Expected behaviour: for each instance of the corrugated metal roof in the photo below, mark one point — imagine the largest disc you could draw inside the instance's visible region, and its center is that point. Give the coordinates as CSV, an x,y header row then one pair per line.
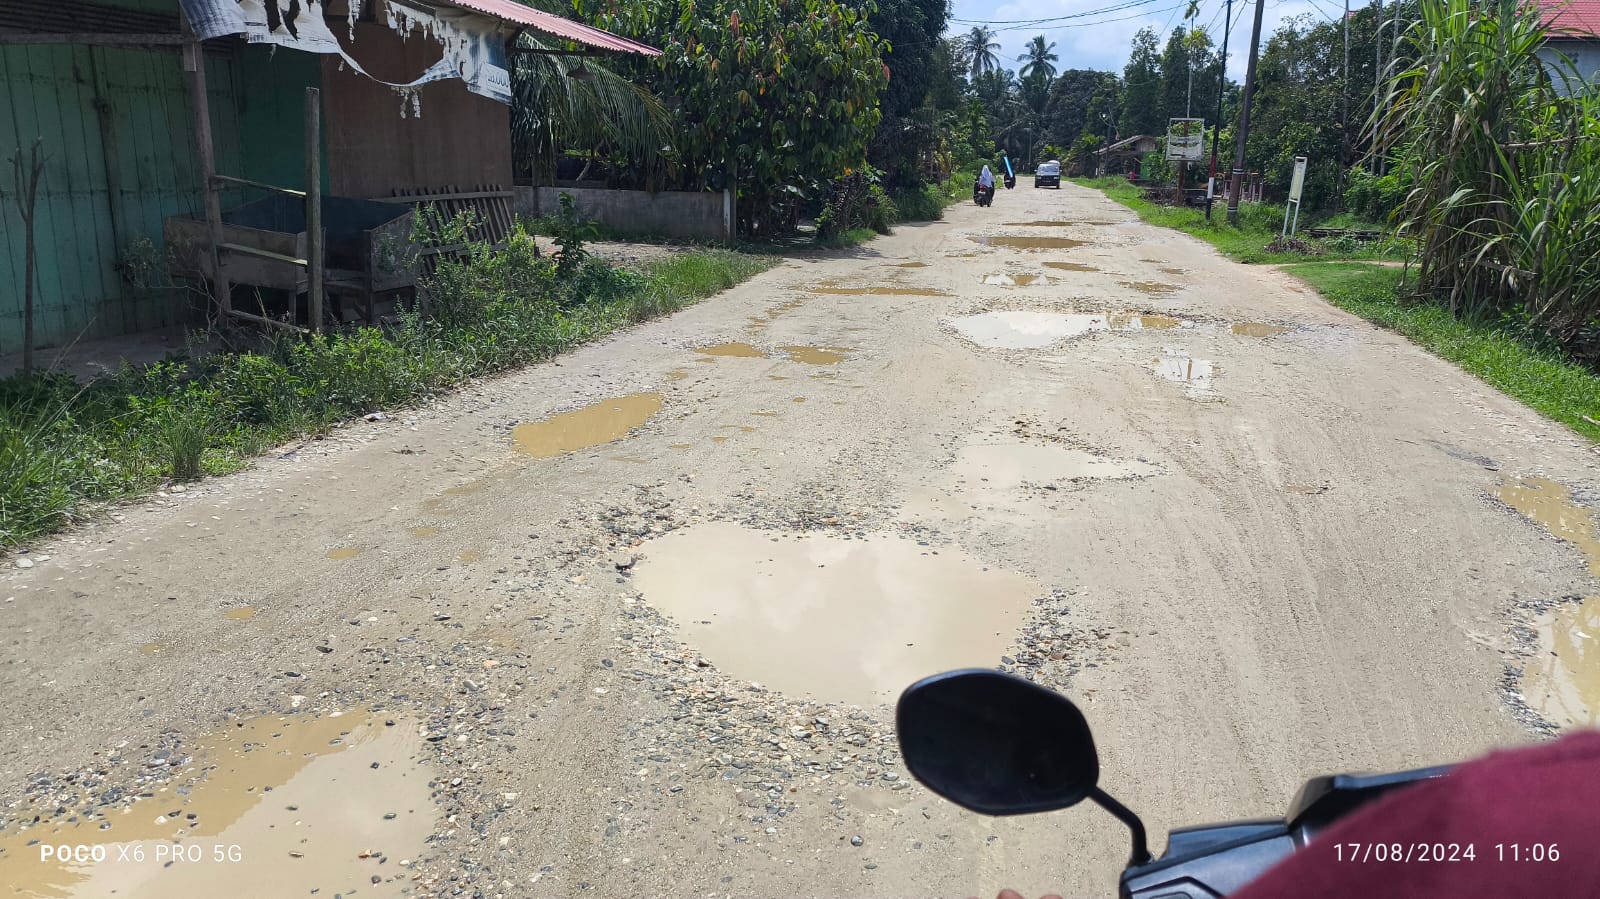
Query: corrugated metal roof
x,y
516,13
1574,18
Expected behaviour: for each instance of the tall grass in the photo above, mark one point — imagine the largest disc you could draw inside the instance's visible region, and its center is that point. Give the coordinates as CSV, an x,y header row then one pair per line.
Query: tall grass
x,y
65,447
1505,201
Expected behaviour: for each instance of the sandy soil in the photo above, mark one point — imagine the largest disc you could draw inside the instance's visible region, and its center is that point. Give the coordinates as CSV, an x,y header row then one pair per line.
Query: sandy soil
x,y
1252,557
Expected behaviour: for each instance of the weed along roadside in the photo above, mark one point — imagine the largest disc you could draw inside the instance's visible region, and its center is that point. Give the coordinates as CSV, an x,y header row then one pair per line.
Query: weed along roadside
x,y
66,447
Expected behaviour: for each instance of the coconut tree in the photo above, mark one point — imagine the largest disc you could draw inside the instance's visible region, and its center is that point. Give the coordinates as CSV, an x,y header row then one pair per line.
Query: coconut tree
x,y
981,50
1039,59
569,102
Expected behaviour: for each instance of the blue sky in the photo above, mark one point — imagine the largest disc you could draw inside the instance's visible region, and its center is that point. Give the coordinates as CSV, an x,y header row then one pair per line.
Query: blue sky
x,y
1097,42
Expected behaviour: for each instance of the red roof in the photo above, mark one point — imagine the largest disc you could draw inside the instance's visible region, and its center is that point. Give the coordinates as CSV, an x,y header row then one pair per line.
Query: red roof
x,y
517,14
1572,17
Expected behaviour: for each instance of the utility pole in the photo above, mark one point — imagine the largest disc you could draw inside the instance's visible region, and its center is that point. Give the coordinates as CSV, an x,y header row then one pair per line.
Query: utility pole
x,y
1222,88
1244,117
1344,101
1394,49
1377,70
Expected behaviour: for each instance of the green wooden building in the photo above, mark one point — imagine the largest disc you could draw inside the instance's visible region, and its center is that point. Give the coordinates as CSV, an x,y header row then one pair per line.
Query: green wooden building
x,y
102,85
118,134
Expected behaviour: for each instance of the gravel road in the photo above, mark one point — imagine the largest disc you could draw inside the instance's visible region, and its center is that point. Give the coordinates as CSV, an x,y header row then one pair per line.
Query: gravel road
x,y
1256,538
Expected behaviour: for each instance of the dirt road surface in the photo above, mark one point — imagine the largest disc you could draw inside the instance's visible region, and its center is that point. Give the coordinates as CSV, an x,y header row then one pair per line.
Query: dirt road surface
x,y
1256,539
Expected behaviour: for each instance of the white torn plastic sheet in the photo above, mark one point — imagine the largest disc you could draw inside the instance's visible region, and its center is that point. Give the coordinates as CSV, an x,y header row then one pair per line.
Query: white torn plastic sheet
x,y
473,45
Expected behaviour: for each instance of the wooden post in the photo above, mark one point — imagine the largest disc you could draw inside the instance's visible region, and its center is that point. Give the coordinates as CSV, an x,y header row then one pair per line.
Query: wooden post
x,y
194,63
314,258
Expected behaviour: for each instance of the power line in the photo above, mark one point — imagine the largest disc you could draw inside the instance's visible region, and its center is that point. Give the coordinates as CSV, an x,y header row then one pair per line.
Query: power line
x,y
1079,15
1138,15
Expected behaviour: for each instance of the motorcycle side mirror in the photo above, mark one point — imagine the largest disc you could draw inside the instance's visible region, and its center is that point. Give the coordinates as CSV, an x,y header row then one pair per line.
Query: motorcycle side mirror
x,y
1001,745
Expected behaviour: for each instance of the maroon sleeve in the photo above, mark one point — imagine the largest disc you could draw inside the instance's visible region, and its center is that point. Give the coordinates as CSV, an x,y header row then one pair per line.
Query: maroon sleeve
x,y
1530,818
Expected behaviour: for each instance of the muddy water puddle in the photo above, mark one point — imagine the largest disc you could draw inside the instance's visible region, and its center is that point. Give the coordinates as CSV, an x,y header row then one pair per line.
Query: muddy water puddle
x,y
242,613
1144,322
1014,330
1551,505
344,553
1149,287
1072,266
1562,679
1021,242
1005,466
1258,329
735,350
816,355
152,649
1001,279
842,620
1186,370
278,807
911,265
425,532
593,425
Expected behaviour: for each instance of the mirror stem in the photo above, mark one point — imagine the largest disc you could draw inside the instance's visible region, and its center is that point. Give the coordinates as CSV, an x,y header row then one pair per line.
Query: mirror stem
x,y
1141,849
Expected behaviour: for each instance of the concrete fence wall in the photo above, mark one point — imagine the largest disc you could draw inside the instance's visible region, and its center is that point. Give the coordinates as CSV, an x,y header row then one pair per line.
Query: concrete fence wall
x,y
703,216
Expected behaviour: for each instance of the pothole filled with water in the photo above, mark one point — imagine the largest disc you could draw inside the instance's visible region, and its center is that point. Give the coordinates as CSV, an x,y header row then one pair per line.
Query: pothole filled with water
x,y
593,425
736,350
1149,287
1019,242
816,355
344,553
1258,329
324,806
1561,680
1001,279
1025,330
1145,322
1072,266
1186,370
1551,505
853,621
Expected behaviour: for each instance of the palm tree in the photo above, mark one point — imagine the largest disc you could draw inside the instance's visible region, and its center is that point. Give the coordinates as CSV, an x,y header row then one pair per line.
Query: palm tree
x,y
1038,59
980,49
566,102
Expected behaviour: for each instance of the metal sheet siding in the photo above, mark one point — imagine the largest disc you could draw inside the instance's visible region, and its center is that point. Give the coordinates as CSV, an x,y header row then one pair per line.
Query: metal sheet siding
x,y
117,132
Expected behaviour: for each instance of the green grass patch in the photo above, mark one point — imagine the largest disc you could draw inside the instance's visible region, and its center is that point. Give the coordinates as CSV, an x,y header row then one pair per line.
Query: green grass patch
x,y
1505,354
1259,225
1350,221
66,448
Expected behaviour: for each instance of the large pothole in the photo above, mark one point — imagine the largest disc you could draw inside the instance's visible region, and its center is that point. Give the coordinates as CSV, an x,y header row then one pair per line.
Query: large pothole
x,y
1560,678
845,620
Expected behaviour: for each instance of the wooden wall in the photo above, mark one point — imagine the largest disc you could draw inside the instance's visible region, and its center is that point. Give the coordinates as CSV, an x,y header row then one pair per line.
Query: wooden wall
x,y
461,139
